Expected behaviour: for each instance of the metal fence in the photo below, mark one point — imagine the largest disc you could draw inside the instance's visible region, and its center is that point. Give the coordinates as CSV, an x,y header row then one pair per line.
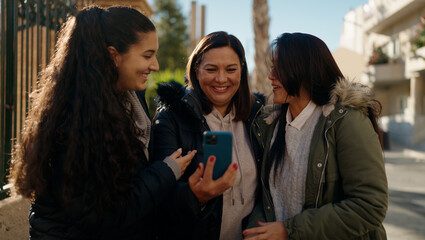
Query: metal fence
x,y
28,33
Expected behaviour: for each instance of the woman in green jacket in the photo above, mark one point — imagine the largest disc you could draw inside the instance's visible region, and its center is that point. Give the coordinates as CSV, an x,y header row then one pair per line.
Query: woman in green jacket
x,y
324,175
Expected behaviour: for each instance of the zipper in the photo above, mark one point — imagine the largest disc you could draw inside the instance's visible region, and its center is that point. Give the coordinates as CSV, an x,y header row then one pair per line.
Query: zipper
x,y
267,196
326,158
251,127
203,122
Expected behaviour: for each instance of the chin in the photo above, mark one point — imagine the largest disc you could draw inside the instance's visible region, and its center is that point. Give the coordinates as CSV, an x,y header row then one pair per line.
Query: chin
x,y
278,101
141,88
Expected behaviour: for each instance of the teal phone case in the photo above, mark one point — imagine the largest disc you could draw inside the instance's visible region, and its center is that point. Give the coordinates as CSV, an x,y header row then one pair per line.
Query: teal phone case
x,y
218,144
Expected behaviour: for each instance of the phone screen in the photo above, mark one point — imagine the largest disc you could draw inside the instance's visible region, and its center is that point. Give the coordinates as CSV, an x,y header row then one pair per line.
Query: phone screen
x,y
218,144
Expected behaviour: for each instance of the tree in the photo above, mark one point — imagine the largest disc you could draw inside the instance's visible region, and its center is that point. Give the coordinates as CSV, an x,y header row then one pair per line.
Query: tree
x,y
172,34
261,22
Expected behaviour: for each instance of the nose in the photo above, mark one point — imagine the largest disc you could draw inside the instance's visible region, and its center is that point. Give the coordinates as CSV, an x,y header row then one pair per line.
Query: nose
x,y
154,66
221,76
271,76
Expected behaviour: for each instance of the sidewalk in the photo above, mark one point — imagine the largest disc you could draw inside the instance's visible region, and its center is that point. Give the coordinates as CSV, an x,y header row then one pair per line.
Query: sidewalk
x,y
406,183
410,152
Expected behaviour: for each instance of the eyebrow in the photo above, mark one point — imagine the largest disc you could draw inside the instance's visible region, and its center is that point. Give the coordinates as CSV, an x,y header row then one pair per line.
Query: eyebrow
x,y
213,65
149,51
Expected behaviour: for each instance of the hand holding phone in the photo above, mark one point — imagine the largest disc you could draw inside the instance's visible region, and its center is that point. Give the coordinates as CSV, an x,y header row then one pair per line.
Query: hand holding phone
x,y
218,144
219,174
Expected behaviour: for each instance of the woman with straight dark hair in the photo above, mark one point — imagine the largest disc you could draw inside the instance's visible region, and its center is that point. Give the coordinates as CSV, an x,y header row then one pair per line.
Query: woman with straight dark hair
x,y
323,170
83,158
217,98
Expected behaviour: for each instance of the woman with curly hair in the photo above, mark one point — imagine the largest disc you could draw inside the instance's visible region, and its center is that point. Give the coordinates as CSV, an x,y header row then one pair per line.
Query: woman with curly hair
x,y
83,158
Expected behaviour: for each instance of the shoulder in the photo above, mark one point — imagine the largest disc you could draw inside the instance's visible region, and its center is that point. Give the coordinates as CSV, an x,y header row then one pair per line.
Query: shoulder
x,y
258,101
354,116
176,105
170,99
348,124
259,98
271,112
351,95
170,94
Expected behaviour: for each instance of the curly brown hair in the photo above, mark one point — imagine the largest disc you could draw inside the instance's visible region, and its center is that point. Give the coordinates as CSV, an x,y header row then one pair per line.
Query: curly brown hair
x,y
79,136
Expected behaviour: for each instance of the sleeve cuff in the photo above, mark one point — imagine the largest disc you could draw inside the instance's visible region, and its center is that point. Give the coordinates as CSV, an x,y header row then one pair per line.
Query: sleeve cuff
x,y
174,167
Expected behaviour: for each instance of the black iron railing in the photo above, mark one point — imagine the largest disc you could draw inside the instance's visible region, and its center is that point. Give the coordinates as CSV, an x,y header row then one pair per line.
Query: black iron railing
x,y
28,32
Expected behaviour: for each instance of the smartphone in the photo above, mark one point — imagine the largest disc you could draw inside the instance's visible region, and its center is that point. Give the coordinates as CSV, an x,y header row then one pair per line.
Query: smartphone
x,y
218,144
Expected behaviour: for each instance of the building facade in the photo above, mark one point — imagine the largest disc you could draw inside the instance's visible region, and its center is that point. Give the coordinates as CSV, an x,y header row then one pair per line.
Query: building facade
x,y
390,37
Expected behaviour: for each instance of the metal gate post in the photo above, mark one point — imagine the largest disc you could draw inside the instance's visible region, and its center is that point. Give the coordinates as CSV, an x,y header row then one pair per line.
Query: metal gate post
x,y
10,98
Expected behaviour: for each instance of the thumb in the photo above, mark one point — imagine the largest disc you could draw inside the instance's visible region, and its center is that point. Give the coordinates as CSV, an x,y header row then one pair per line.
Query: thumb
x,y
190,155
176,154
196,176
261,223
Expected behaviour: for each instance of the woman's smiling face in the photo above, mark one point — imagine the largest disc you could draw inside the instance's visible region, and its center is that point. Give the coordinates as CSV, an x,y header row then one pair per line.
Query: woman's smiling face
x,y
280,95
137,63
219,76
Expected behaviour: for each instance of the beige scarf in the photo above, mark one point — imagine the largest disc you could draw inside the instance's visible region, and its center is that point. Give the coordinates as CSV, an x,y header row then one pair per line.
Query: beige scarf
x,y
142,121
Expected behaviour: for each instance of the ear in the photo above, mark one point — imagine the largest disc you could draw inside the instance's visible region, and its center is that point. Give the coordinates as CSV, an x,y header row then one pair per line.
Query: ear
x,y
115,55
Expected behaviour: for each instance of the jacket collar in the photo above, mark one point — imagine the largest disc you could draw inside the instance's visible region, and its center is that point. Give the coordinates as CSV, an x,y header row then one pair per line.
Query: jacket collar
x,y
258,101
193,103
175,95
345,94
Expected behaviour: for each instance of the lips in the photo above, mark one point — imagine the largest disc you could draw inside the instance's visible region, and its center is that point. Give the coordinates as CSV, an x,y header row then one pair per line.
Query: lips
x,y
145,76
220,89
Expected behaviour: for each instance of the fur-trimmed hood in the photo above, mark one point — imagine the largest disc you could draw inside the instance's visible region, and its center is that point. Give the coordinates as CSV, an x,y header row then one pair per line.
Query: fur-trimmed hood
x,y
170,93
174,96
349,94
353,95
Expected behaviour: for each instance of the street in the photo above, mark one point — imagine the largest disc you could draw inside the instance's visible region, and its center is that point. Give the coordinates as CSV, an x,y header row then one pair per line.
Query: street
x,y
406,182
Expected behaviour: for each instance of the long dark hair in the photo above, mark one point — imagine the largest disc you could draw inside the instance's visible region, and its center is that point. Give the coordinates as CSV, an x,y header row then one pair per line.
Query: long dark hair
x,y
242,98
302,60
79,138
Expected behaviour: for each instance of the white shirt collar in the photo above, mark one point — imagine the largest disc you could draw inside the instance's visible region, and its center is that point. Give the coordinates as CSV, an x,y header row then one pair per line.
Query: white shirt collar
x,y
300,120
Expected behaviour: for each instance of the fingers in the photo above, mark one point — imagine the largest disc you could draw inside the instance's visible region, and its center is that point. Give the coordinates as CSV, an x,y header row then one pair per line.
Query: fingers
x,y
196,176
270,230
188,157
252,237
262,223
229,176
190,154
204,187
208,174
252,233
176,154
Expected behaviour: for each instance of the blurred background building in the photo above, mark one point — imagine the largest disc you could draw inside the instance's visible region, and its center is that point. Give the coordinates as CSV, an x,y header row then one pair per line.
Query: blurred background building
x,y
382,45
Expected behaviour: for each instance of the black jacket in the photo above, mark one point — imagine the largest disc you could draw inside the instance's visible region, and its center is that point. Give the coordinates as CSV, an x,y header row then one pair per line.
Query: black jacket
x,y
180,123
49,220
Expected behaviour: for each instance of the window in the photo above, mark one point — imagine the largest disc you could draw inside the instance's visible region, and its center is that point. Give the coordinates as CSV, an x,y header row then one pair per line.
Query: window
x,y
402,104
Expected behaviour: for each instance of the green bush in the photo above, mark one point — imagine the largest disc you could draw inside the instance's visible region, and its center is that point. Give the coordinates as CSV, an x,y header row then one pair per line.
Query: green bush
x,y
159,77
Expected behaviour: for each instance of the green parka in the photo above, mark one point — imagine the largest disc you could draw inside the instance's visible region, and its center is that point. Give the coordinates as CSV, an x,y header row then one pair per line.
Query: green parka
x,y
346,192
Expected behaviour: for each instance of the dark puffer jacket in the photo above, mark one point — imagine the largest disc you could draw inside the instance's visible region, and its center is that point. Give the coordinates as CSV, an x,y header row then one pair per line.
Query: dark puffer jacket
x,y
49,220
180,123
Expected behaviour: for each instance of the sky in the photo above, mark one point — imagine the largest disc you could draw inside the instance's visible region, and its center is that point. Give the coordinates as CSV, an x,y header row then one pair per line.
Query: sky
x,y
322,18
